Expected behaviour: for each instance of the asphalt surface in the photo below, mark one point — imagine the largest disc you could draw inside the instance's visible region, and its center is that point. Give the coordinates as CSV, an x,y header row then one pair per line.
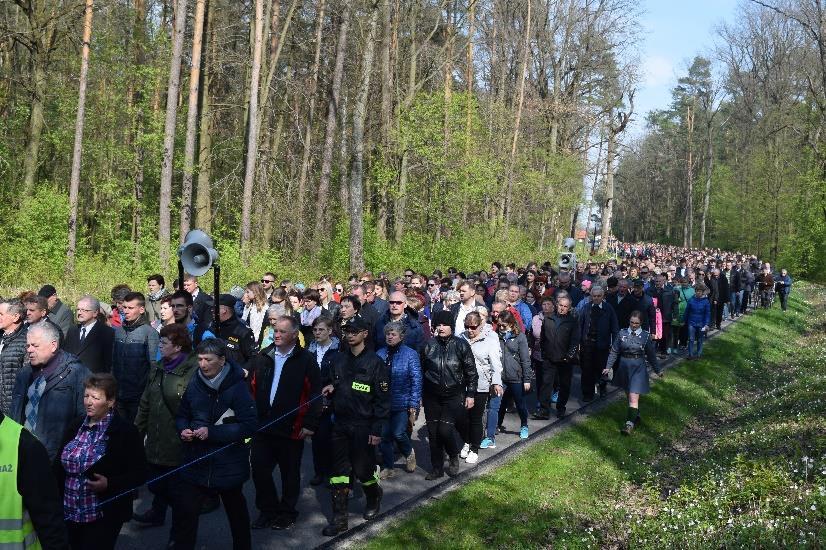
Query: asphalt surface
x,y
402,492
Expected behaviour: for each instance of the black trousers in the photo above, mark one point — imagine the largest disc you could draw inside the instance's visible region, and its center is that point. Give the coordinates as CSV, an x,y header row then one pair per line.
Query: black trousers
x,y
717,314
97,535
550,370
665,342
470,424
235,506
592,362
784,300
441,414
322,447
267,452
536,364
352,455
166,493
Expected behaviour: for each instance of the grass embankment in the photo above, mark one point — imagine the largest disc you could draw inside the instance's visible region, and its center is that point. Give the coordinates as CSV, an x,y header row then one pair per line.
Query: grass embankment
x,y
731,453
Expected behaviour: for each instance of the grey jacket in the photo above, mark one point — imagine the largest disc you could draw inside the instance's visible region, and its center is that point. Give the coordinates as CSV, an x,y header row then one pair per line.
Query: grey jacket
x,y
60,405
62,316
12,359
488,355
516,359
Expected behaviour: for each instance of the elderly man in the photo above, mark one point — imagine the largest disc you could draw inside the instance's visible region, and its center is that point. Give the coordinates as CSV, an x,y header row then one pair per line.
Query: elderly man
x,y
598,328
559,343
91,340
48,393
58,312
398,311
12,348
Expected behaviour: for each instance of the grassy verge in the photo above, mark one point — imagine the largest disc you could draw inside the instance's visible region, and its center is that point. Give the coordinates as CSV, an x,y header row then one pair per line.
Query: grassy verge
x,y
731,453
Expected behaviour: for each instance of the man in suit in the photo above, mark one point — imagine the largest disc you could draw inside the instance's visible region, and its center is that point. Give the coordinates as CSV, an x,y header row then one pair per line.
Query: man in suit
x,y
58,312
91,339
202,303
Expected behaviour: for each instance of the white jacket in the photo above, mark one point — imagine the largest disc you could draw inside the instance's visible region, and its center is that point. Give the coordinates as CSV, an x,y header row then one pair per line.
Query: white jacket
x,y
488,355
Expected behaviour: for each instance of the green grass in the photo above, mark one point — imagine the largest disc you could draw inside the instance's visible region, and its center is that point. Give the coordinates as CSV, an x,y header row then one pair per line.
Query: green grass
x,y
717,462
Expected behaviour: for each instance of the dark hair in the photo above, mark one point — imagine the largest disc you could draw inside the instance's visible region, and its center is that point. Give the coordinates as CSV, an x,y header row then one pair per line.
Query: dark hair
x,y
497,264
325,320
313,295
119,291
178,335
507,318
40,301
135,297
167,299
279,293
157,278
474,315
271,274
211,346
636,314
182,295
355,302
368,286
103,381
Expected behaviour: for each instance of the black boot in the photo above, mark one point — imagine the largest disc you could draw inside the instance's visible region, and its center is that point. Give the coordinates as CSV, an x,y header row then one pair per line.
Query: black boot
x,y
373,493
339,523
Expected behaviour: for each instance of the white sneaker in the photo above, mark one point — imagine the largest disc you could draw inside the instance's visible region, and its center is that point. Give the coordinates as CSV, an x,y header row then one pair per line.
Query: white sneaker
x,y
472,458
465,450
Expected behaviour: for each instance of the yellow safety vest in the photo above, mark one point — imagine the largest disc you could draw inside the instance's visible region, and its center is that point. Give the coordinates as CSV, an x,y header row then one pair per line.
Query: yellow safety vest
x,y
16,528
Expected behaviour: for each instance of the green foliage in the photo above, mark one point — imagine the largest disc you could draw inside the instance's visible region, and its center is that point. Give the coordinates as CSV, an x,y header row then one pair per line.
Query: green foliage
x,y
730,454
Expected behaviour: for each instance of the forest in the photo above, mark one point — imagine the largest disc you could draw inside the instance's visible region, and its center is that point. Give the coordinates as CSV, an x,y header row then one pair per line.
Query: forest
x,y
331,136
738,160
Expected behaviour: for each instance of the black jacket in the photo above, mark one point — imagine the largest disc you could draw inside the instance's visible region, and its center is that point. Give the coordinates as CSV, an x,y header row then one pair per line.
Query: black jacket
x,y
665,301
12,359
606,329
123,464
38,487
361,390
300,382
203,308
560,338
448,367
239,340
645,305
95,352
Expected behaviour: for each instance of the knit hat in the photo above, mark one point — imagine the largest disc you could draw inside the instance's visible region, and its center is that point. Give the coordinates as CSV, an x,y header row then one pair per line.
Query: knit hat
x,y
443,317
227,300
586,284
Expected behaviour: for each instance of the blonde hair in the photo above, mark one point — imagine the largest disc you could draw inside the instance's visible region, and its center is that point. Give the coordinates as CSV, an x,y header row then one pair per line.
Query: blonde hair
x,y
259,297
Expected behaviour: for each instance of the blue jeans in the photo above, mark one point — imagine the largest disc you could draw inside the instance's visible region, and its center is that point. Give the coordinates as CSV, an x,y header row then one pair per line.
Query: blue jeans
x,y
695,334
395,431
493,415
736,302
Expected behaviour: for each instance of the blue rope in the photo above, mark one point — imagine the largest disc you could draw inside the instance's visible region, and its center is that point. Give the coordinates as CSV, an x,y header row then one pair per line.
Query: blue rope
x,y
199,459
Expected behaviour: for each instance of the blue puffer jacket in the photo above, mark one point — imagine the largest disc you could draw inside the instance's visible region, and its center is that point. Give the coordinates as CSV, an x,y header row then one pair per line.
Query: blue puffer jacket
x,y
203,406
405,378
135,353
698,312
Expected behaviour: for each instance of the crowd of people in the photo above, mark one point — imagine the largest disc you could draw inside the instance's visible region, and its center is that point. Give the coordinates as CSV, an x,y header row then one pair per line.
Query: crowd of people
x,y
195,397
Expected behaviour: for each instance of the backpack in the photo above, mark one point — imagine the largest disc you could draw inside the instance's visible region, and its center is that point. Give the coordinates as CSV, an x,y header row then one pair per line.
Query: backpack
x,y
682,303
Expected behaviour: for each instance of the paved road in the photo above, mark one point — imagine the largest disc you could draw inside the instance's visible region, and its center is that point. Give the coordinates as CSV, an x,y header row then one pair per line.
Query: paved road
x,y
314,504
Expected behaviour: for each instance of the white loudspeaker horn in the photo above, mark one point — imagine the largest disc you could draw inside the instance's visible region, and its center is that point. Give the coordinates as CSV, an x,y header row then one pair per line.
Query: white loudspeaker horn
x,y
197,253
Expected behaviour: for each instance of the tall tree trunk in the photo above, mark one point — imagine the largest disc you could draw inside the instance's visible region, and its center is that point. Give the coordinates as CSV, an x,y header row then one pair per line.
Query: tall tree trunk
x,y
192,118
164,235
252,140
74,182
35,128
203,189
322,217
688,228
357,169
466,196
709,171
608,198
401,200
308,131
139,39
343,161
507,204
387,86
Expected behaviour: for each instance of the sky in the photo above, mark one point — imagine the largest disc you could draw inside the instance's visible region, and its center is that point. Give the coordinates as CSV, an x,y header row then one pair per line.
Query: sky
x,y
673,32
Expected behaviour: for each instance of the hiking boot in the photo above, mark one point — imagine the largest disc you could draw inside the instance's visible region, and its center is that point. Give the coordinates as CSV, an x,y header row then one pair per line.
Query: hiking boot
x,y
628,428
283,523
453,466
435,474
387,473
373,493
263,521
151,518
541,414
410,462
339,523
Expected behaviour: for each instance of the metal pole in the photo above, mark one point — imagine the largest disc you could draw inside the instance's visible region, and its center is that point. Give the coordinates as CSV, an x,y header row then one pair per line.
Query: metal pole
x,y
216,270
180,273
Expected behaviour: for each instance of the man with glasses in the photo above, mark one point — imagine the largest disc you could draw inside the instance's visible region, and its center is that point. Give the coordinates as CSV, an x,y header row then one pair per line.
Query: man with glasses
x,y
91,340
413,336
268,282
560,342
599,327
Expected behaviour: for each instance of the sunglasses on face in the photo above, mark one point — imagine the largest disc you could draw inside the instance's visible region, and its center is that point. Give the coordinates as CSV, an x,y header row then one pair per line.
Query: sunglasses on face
x,y
266,281
471,327
395,302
